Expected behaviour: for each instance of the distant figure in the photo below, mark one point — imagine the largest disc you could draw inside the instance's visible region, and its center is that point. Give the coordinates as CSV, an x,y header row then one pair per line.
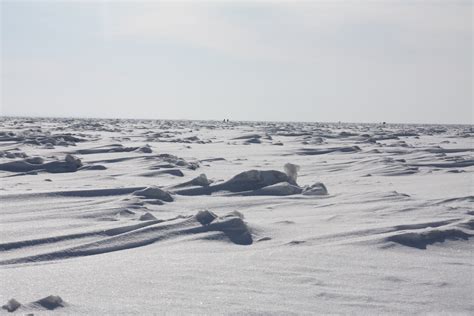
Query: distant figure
x,y
384,123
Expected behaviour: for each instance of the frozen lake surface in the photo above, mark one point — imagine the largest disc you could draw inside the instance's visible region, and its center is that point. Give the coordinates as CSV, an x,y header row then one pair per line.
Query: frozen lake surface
x,y
206,217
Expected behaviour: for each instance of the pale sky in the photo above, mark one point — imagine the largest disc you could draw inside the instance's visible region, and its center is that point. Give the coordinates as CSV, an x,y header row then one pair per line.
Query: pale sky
x,y
351,61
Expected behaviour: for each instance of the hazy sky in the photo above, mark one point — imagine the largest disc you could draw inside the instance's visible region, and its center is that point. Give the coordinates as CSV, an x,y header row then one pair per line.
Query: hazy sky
x,y
357,61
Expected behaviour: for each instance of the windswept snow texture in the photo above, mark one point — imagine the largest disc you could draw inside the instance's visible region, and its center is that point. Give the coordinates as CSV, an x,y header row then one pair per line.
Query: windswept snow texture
x,y
122,217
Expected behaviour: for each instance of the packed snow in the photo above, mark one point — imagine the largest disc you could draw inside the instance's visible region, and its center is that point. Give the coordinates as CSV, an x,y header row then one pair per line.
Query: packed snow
x,y
110,217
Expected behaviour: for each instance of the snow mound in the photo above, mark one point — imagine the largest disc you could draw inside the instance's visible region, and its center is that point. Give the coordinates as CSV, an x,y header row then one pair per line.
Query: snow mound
x,y
12,305
205,217
73,161
154,193
50,302
248,136
70,164
322,151
291,171
201,181
259,182
126,213
244,181
147,217
254,179
422,239
35,160
173,172
316,189
278,189
234,228
145,149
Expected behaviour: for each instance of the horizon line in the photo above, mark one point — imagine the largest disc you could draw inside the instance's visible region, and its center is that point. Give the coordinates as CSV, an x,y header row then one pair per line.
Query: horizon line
x,y
219,120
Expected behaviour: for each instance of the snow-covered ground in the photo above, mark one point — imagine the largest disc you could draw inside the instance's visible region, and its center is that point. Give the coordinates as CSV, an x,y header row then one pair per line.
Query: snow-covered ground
x,y
203,217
